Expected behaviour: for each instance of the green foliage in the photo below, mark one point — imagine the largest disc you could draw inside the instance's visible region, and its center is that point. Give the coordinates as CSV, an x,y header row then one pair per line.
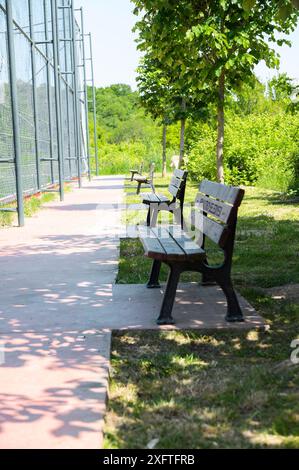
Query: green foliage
x,y
154,90
121,157
262,149
262,143
282,88
118,114
126,135
213,45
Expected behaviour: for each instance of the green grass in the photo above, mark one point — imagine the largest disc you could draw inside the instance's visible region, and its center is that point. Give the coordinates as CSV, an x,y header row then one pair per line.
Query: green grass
x,y
266,251
32,205
194,390
215,389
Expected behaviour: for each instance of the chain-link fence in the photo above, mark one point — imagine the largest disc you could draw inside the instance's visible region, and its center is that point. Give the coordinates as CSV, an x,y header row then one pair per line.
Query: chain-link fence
x,y
44,137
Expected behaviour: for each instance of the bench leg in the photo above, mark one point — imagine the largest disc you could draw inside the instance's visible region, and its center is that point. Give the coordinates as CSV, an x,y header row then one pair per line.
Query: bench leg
x,y
207,281
234,312
165,317
152,215
153,282
138,188
148,219
182,217
154,218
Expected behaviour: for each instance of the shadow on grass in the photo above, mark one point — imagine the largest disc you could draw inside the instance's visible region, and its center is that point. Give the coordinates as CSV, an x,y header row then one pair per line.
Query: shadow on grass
x,y
266,255
266,252
193,390
215,389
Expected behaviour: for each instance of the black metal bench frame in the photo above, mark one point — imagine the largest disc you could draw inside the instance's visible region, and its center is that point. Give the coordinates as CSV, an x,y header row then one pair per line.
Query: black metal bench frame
x,y
159,202
136,172
147,180
214,201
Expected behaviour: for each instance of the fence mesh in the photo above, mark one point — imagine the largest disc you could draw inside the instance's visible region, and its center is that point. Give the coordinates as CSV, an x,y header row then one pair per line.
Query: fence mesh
x,y
37,106
7,170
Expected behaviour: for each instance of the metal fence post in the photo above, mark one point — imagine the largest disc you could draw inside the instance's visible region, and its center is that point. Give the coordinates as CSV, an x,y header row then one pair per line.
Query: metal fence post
x,y
14,107
57,95
85,94
76,95
34,95
94,108
49,94
66,65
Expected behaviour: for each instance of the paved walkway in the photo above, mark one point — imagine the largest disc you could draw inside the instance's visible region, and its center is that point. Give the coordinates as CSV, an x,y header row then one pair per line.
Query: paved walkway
x,y
56,277
58,306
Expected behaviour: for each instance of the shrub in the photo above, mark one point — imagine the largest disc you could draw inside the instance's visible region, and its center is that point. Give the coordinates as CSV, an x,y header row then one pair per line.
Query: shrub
x,y
120,158
260,149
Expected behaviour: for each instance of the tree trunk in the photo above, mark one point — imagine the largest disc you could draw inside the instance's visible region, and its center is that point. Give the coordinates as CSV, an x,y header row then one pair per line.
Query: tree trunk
x,y
164,141
220,137
182,138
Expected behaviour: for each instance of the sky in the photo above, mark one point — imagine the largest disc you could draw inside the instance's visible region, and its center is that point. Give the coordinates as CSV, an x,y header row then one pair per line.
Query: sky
x,y
114,49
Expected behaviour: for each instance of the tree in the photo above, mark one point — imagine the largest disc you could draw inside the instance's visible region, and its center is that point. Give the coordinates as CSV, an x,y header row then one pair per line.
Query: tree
x,y
155,97
232,39
215,44
162,99
163,85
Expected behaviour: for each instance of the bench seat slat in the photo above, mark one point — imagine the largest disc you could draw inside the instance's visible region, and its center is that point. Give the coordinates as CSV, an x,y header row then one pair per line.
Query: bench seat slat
x,y
150,197
155,198
151,244
185,242
218,209
164,244
141,179
163,198
172,249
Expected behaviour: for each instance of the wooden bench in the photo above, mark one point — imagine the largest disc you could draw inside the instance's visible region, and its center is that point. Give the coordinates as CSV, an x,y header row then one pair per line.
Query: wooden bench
x,y
159,202
214,216
147,180
136,172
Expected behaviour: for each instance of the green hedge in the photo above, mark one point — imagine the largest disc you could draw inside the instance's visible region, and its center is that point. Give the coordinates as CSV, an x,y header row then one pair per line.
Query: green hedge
x,y
120,158
260,149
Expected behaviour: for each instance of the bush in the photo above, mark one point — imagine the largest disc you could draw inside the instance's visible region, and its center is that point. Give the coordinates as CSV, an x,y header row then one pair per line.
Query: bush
x,y
120,158
260,149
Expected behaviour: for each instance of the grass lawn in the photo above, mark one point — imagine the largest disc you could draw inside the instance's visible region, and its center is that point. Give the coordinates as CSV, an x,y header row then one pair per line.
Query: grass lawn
x,y
215,389
32,205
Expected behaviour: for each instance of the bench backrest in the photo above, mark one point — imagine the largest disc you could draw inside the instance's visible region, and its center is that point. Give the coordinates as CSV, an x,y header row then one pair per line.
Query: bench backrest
x,y
152,171
177,185
216,210
151,176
